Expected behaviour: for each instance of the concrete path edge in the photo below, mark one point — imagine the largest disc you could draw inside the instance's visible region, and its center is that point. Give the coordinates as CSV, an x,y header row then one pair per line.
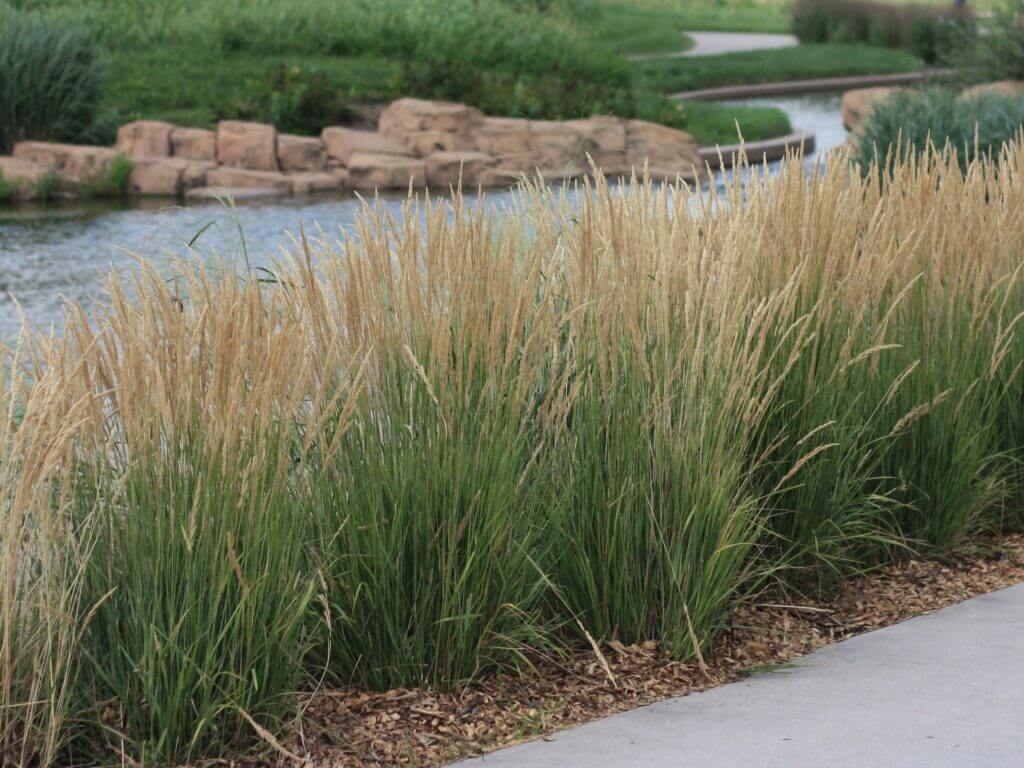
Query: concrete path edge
x,y
816,85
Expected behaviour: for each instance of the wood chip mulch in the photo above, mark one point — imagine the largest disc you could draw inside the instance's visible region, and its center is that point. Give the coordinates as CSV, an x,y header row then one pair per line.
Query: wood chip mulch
x,y
356,728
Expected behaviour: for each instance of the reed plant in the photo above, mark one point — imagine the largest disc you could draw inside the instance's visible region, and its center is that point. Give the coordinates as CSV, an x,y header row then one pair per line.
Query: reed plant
x,y
457,442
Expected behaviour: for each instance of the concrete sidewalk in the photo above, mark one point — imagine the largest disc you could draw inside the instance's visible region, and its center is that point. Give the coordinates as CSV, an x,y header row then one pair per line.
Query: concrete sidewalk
x,y
937,691
713,43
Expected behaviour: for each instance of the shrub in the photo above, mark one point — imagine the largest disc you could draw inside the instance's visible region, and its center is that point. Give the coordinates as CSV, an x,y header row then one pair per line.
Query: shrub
x,y
112,181
297,100
8,189
927,31
907,122
52,79
993,49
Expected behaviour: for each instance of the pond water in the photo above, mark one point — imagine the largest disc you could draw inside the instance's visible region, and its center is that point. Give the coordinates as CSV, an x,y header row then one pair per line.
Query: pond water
x,y
50,254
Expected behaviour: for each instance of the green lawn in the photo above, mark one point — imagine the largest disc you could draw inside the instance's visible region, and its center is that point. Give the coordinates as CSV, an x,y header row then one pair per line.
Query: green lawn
x,y
712,123
796,63
630,27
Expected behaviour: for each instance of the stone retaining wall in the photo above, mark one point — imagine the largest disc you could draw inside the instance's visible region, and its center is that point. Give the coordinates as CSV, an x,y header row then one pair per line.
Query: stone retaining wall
x,y
418,143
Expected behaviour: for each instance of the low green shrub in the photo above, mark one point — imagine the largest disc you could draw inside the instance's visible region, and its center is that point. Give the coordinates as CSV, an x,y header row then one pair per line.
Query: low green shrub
x,y
992,49
48,186
112,181
8,188
52,80
928,31
297,100
907,122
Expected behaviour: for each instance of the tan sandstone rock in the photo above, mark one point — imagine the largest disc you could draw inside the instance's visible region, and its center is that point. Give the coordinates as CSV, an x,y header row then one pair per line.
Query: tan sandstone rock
x,y
170,176
372,171
144,138
301,153
858,103
426,127
526,146
604,139
448,169
342,143
247,145
407,116
194,144
667,153
1011,88
424,143
244,178
73,161
25,174
308,182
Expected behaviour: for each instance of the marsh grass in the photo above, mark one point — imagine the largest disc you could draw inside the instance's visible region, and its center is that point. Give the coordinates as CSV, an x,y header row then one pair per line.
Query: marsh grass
x,y
454,443
52,80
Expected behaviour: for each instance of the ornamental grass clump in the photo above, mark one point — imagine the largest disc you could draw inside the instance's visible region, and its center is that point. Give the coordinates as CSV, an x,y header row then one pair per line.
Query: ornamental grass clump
x,y
456,443
197,579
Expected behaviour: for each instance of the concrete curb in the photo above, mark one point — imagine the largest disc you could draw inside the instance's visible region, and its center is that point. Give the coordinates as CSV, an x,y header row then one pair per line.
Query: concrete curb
x,y
818,85
723,157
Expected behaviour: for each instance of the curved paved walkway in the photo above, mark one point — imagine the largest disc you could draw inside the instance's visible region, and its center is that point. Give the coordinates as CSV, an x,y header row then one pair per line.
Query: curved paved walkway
x,y
935,691
712,43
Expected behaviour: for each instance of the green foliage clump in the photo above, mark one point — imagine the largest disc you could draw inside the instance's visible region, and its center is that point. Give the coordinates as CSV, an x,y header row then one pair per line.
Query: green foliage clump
x,y
993,49
52,80
927,31
8,188
48,187
905,124
111,181
297,100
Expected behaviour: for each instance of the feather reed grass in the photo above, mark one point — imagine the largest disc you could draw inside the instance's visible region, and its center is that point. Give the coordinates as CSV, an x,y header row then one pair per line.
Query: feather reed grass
x,y
454,443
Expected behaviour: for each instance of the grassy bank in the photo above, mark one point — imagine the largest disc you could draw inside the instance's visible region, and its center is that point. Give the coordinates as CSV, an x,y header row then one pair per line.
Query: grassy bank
x,y
311,63
453,444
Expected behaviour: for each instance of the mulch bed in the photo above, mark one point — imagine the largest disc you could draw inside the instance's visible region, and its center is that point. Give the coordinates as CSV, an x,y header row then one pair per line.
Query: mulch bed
x,y
358,728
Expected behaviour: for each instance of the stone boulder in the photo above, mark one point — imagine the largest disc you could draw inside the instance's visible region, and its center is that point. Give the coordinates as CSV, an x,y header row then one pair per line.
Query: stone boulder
x,y
858,103
372,171
144,138
407,116
72,161
170,176
194,144
424,143
426,127
244,178
25,175
301,153
448,169
526,146
247,145
1012,88
603,138
342,143
308,182
667,153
